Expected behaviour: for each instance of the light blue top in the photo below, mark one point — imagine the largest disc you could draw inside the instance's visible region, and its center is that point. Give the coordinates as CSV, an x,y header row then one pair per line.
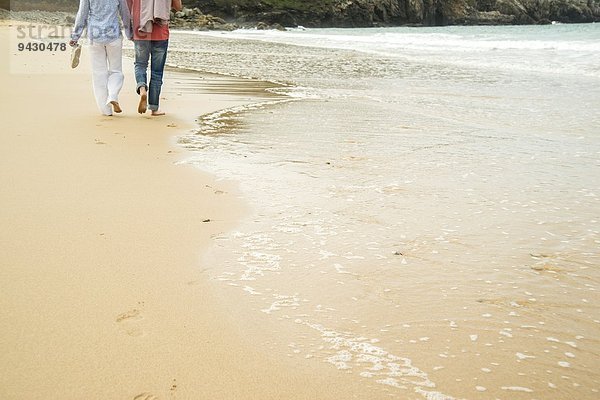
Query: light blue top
x,y
101,17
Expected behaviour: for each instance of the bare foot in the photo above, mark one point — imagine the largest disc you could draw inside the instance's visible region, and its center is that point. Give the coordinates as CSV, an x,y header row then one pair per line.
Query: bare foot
x,y
116,107
143,105
157,113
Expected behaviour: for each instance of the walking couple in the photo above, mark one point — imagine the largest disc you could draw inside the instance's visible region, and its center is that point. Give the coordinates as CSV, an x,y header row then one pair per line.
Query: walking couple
x,y
146,22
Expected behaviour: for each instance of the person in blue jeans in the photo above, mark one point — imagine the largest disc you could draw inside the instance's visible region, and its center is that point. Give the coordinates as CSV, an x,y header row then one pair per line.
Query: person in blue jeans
x,y
151,43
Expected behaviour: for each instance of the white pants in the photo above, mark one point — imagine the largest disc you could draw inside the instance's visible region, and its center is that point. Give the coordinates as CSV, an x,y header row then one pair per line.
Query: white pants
x,y
107,73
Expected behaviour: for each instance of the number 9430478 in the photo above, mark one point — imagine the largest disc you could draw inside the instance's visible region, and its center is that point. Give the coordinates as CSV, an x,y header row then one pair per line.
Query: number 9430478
x,y
42,46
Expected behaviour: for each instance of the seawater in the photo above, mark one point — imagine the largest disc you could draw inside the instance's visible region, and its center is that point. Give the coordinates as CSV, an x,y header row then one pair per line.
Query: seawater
x,y
426,202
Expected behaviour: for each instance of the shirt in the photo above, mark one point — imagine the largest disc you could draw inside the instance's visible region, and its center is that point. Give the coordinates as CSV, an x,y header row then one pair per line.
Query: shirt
x,y
160,31
101,18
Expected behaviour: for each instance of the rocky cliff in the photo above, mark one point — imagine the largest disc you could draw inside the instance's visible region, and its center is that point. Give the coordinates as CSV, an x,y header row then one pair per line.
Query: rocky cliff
x,y
366,13
220,14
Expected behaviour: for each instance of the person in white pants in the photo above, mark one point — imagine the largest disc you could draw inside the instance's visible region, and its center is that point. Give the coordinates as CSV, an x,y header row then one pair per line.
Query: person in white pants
x,y
107,75
101,18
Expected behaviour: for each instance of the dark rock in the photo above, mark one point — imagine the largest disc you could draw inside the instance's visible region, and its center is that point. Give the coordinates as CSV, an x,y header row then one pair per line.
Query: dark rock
x,y
277,27
284,18
217,20
493,18
194,19
366,13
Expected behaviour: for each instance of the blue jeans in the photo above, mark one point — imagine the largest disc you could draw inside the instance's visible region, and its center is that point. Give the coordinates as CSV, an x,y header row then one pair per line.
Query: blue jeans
x,y
154,51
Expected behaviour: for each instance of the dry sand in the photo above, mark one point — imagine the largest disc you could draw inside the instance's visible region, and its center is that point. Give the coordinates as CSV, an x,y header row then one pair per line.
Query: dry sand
x,y
101,285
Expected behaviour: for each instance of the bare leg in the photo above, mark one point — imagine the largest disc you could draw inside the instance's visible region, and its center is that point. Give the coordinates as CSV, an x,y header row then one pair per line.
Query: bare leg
x,y
143,105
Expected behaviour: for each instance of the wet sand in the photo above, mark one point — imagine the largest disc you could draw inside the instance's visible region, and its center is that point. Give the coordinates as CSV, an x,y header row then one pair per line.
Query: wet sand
x,y
401,234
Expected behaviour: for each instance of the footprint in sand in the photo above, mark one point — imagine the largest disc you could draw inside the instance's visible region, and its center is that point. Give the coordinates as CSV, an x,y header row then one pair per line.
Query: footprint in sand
x,y
145,396
128,315
128,322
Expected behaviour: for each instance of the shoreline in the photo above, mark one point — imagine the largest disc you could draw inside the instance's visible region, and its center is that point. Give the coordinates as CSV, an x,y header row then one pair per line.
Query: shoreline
x,y
378,225
104,294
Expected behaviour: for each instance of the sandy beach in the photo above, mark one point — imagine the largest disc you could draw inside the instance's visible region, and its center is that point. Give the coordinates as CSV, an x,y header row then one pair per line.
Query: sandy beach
x,y
102,288
410,214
